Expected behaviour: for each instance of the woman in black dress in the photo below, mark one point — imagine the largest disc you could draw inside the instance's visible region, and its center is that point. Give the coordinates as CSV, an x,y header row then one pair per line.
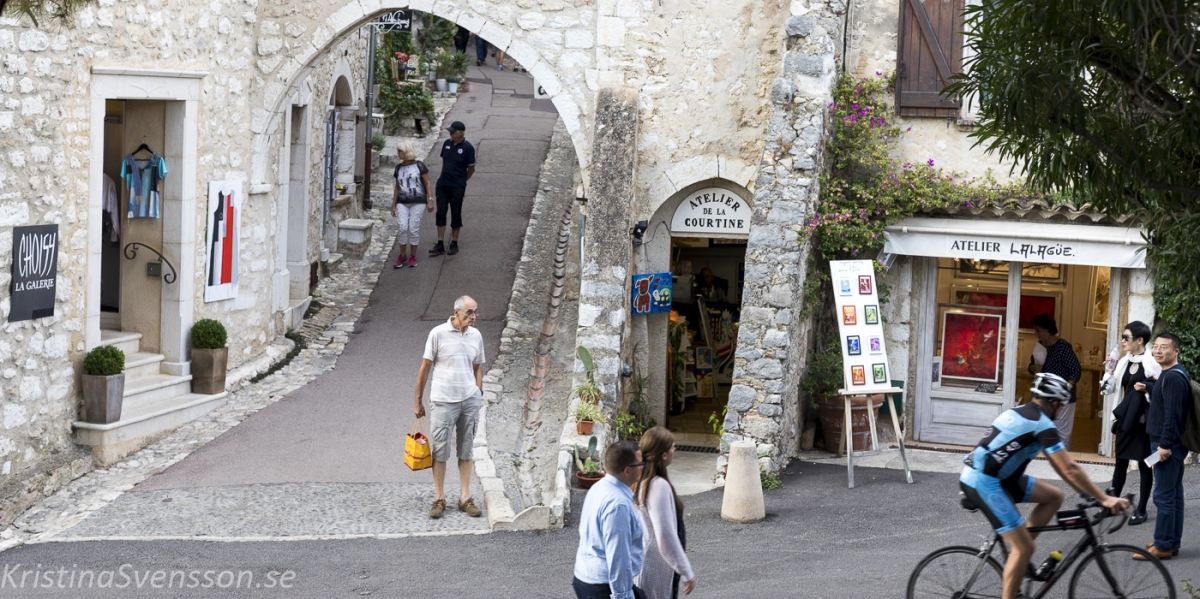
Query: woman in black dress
x,y
1129,415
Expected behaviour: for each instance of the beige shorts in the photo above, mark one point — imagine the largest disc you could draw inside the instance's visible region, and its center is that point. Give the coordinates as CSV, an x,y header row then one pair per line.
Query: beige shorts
x,y
458,418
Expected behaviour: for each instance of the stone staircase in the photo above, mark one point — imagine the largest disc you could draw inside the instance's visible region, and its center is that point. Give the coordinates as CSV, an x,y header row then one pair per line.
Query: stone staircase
x,y
155,402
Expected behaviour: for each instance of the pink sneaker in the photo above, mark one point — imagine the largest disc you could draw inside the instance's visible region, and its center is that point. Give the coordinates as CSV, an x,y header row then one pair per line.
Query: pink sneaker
x,y
399,262
412,261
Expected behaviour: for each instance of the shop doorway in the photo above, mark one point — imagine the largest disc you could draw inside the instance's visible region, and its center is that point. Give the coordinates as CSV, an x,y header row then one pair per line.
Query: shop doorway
x,y
707,283
984,341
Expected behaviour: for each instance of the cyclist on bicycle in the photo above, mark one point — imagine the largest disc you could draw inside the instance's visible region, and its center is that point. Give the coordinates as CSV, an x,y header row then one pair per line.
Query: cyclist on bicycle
x,y
994,477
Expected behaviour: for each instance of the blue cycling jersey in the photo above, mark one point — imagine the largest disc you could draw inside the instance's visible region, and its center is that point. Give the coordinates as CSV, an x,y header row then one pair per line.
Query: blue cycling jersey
x,y
1013,440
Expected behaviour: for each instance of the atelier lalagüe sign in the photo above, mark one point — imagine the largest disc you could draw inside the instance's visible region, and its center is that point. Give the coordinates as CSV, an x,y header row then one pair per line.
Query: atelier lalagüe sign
x,y
712,212
34,271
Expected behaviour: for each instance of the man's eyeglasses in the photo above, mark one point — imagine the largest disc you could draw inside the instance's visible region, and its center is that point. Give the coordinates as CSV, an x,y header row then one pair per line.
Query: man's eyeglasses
x,y
471,312
637,465
1126,337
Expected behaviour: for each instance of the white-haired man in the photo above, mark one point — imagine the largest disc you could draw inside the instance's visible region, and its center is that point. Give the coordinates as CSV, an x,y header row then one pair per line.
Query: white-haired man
x,y
454,352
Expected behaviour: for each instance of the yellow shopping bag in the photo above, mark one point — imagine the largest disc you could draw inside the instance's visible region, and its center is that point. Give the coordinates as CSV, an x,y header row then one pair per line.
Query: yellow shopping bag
x,y
417,455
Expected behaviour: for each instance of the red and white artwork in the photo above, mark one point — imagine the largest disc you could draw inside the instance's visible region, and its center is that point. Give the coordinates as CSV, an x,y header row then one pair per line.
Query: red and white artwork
x,y
222,240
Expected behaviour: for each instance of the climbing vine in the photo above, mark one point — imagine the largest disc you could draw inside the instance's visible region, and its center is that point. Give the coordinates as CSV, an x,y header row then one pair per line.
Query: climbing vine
x,y
864,189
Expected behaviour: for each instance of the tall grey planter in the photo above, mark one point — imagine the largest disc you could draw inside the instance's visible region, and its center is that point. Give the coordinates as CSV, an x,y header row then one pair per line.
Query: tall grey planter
x,y
102,397
208,370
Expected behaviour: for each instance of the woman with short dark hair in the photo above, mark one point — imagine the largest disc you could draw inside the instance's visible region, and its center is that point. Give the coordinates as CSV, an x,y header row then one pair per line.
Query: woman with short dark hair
x,y
1131,441
1061,360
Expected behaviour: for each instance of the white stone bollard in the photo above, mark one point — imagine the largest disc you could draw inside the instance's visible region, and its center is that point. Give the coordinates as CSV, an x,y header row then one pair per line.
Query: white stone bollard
x,y
743,500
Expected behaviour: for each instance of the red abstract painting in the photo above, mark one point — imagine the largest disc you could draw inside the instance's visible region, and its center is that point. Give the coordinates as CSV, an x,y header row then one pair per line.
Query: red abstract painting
x,y
971,346
1031,305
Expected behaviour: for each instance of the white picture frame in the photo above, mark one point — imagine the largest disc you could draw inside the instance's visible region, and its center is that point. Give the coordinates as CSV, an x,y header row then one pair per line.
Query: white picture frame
x,y
222,240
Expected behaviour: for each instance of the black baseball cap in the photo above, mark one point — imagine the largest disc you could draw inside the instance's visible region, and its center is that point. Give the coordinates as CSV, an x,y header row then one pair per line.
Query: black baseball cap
x,y
456,126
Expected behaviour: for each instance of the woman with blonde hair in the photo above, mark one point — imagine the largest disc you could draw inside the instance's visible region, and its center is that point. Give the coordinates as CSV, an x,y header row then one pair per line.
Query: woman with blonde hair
x,y
411,192
664,563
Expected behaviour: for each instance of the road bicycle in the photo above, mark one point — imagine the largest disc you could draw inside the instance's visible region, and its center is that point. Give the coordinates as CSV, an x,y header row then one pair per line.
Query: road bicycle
x,y
1105,570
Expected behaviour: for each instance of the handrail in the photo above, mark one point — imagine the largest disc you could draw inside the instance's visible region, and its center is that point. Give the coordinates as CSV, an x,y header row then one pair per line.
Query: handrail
x,y
130,252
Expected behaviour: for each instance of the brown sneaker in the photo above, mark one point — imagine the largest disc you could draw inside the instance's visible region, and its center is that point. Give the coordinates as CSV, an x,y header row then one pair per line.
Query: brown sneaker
x,y
439,506
470,508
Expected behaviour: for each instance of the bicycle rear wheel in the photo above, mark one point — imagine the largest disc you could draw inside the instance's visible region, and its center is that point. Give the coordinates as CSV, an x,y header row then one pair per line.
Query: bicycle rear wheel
x,y
1110,571
955,573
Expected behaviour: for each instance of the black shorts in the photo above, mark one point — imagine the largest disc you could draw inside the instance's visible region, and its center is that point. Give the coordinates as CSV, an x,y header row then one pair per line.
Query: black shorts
x,y
997,500
450,198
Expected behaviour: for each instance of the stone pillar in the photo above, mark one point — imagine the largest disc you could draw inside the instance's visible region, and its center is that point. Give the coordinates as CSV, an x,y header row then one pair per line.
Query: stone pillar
x,y
607,248
773,341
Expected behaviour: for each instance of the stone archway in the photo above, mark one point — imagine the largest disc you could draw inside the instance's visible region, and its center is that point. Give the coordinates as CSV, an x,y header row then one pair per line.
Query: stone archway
x,y
291,41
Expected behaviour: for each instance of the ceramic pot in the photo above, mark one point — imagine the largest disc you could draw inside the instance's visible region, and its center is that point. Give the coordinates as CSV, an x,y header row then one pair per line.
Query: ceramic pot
x,y
441,84
208,370
584,427
102,398
453,86
586,482
832,411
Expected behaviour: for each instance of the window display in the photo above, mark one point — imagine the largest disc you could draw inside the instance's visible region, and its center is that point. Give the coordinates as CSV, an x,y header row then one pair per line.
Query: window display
x,y
971,346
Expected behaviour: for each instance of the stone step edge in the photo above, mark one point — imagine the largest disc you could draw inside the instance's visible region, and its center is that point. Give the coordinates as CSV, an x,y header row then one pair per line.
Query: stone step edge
x,y
496,502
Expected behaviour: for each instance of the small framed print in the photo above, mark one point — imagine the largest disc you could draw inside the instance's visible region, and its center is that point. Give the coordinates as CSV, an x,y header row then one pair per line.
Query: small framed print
x,y
858,375
878,373
875,345
864,284
844,287
853,345
849,315
937,372
871,314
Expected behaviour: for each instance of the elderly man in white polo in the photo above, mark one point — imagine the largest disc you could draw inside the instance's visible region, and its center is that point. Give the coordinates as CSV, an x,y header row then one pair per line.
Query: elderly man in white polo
x,y
454,351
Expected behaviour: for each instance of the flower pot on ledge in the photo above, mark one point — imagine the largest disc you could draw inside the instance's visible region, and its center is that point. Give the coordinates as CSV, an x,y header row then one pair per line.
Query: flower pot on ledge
x,y
587,480
832,411
584,427
103,397
209,368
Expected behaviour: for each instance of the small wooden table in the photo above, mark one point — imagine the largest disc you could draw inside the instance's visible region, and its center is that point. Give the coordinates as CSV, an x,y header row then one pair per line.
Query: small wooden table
x,y
847,442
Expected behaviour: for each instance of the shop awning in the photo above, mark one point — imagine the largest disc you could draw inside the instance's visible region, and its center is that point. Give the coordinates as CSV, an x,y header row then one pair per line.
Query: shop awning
x,y
1087,245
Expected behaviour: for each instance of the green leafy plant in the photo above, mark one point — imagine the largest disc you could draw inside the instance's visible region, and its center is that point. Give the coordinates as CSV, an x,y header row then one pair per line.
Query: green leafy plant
x,y
770,481
436,33
587,466
824,376
1192,592
390,44
105,360
588,391
406,100
40,12
585,412
717,422
208,334
629,427
378,141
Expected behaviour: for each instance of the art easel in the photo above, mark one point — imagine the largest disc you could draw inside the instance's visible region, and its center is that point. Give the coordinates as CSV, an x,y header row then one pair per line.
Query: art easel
x,y
847,442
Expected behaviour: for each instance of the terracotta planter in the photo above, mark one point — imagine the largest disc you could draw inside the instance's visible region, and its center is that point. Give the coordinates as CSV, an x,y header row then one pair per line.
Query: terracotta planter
x,y
832,412
102,397
584,427
586,482
208,370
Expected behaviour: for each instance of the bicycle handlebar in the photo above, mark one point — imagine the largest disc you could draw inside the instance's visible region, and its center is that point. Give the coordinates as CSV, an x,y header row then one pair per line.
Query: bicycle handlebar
x,y
1105,513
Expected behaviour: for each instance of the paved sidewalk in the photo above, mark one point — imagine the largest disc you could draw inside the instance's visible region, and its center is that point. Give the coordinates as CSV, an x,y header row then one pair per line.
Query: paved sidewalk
x,y
316,451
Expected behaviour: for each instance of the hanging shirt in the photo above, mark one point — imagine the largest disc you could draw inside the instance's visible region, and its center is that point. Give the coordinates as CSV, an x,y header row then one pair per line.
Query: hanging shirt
x,y
111,202
143,177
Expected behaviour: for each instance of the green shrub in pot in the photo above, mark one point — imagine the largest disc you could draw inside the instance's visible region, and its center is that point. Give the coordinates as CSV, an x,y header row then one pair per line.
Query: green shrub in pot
x,y
208,334
105,360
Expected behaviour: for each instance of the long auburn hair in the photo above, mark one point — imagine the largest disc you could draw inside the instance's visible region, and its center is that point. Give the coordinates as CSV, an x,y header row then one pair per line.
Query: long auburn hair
x,y
655,443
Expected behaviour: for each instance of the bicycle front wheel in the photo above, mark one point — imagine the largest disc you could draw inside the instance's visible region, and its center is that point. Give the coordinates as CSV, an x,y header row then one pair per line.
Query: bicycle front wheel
x,y
1110,571
956,573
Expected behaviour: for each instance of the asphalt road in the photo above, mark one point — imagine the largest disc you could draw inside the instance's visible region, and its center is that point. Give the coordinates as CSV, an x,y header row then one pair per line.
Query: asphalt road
x,y
819,540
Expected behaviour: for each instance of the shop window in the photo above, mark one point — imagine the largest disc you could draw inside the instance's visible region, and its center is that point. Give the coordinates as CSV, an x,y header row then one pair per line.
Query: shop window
x,y
971,326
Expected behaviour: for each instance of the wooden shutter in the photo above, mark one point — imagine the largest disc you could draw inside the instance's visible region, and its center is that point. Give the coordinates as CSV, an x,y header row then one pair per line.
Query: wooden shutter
x,y
931,47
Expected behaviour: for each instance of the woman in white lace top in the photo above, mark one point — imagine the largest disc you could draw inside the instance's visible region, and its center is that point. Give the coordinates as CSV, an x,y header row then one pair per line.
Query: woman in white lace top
x,y
664,563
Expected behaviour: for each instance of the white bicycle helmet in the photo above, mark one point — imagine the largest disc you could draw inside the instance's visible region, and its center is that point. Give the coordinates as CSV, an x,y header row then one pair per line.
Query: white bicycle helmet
x,y
1051,387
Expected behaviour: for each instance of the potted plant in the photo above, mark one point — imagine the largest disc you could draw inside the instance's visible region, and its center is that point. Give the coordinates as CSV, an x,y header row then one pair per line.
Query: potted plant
x,y
444,68
586,415
588,391
210,357
822,382
587,471
103,384
452,84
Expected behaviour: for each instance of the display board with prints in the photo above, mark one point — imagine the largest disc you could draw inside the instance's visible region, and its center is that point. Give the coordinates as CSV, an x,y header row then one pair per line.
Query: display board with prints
x,y
860,327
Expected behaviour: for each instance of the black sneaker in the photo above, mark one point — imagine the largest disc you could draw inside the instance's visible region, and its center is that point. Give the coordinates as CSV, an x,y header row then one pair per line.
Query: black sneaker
x,y
453,248
438,249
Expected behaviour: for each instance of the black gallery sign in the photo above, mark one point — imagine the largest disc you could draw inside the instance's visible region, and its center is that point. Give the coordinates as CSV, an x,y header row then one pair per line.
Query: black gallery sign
x,y
398,20
34,270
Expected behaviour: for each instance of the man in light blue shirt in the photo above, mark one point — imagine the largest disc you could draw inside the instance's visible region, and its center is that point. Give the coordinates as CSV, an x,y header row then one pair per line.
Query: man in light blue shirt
x,y
610,532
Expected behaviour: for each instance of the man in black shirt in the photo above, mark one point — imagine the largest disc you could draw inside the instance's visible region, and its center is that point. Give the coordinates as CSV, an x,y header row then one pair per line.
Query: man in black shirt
x,y
1170,403
458,164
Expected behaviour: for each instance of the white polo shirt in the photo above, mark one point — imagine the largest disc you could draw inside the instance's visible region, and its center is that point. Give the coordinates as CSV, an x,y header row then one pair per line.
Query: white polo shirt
x,y
454,355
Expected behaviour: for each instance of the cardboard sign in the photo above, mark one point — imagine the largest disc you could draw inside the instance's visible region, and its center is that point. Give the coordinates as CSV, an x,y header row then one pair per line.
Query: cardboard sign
x,y
651,293
34,272
860,327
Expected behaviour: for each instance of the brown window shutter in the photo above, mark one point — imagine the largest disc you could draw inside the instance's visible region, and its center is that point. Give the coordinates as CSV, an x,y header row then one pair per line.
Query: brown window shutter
x,y
931,45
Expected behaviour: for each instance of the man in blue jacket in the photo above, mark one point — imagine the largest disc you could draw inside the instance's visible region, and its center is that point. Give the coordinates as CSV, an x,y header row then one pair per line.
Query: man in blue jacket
x,y
1170,403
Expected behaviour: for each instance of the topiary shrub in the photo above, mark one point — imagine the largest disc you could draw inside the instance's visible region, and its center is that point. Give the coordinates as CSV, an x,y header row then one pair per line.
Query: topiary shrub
x,y
208,334
105,360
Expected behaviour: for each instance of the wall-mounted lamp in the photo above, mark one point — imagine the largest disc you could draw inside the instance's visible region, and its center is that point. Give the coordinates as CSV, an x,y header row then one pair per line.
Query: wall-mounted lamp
x,y
638,231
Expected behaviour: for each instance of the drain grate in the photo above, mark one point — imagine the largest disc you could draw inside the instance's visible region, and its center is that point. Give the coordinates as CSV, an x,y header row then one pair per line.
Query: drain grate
x,y
696,448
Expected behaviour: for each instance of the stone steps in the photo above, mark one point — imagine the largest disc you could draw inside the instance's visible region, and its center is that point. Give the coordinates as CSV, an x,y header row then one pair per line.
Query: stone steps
x,y
141,364
125,341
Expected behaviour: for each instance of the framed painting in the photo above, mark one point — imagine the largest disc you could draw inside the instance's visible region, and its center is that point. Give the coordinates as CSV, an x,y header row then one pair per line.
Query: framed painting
x,y
937,371
878,373
1098,298
865,286
1030,305
875,345
858,375
843,286
871,314
998,269
849,315
971,346
853,345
